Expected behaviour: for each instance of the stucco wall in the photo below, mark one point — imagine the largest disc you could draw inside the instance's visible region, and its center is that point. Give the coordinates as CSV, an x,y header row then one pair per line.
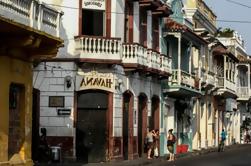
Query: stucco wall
x,y
18,72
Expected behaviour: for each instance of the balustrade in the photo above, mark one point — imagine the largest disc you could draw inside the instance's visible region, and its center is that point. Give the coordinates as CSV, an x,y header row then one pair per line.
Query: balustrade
x,y
33,14
99,47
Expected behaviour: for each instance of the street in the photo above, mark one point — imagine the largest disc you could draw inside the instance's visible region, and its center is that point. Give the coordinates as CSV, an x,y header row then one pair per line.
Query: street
x,y
240,156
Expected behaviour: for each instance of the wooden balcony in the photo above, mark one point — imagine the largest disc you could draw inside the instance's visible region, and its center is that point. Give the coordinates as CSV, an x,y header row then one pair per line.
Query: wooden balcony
x,y
33,14
226,88
182,84
138,57
186,79
98,49
243,93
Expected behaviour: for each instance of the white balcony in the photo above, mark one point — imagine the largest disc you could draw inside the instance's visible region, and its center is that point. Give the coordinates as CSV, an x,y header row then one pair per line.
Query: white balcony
x,y
138,56
243,93
134,55
93,48
33,14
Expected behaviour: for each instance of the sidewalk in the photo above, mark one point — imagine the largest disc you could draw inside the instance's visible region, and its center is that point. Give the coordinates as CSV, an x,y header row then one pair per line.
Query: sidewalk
x,y
144,161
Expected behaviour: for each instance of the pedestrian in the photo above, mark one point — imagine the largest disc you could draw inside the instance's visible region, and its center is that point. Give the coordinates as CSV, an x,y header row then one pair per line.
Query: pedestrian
x,y
222,141
156,143
246,136
170,144
150,143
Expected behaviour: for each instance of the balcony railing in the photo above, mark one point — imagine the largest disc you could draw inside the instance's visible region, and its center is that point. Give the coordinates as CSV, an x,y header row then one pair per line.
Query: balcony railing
x,y
243,92
186,79
33,14
98,48
226,84
135,54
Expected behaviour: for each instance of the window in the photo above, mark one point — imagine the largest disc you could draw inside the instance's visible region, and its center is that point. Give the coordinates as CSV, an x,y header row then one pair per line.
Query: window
x,y
93,22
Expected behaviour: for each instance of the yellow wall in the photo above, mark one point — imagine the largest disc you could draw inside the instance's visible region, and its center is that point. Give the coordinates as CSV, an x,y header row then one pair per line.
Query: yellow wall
x,y
19,72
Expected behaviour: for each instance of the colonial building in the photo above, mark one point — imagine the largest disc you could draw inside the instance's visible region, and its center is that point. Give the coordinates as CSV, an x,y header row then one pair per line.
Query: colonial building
x,y
235,43
183,89
102,93
29,32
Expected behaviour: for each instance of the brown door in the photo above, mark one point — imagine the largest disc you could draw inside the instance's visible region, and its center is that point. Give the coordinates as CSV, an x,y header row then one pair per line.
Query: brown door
x,y
154,118
142,114
91,127
126,107
143,27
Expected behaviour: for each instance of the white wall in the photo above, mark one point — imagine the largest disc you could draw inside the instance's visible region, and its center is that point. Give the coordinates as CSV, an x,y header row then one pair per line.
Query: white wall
x,y
49,78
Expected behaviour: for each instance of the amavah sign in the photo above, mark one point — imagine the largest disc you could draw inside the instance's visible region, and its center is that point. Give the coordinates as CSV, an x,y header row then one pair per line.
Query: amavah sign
x,y
95,80
93,4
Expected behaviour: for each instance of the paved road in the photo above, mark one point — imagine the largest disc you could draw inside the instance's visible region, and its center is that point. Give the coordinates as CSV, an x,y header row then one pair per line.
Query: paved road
x,y
236,156
240,156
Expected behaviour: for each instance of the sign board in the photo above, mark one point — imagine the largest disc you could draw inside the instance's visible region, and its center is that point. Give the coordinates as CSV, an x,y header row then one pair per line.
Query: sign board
x,y
64,112
96,80
94,4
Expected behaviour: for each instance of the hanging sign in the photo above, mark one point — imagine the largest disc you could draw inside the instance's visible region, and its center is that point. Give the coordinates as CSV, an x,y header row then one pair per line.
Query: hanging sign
x,y
93,4
95,80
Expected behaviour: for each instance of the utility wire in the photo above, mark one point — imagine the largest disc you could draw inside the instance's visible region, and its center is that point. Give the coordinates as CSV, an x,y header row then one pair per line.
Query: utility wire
x,y
238,3
219,20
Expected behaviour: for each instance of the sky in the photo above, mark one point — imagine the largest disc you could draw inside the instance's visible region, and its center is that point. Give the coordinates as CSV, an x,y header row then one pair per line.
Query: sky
x,y
228,10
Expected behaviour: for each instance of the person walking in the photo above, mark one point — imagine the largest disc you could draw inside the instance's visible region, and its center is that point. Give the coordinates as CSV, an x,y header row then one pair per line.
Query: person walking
x,y
170,144
156,143
222,141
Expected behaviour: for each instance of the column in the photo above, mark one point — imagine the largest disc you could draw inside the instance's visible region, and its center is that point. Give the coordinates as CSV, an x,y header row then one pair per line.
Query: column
x,y
179,59
149,29
136,33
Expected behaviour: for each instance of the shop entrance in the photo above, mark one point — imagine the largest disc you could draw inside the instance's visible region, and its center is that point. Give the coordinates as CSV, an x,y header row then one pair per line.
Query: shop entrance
x,y
91,130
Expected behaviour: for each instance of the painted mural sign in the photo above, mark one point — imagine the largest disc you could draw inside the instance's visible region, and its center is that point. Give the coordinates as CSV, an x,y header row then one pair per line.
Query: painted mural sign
x,y
93,4
95,80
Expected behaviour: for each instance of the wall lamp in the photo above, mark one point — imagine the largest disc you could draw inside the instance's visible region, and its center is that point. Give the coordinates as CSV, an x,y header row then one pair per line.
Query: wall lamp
x,y
68,81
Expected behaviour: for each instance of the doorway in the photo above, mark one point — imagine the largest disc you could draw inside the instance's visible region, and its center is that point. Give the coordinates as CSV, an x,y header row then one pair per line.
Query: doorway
x,y
127,124
142,117
35,123
93,22
154,118
91,128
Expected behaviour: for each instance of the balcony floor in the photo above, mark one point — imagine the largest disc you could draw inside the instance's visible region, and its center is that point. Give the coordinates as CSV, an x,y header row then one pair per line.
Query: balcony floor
x,y
180,91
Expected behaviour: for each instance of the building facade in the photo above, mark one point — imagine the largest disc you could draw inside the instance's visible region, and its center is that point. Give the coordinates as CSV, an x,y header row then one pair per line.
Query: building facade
x,y
29,32
102,93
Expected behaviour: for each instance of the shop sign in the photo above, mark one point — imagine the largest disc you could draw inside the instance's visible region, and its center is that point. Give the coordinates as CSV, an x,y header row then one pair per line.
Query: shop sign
x,y
95,80
93,4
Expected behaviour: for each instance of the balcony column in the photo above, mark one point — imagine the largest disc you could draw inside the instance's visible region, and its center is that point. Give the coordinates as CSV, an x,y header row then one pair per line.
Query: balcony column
x,y
225,75
248,79
190,59
32,14
179,58
136,25
149,29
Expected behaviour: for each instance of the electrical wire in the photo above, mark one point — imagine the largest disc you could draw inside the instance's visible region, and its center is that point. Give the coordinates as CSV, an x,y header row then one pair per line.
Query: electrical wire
x,y
238,3
219,20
